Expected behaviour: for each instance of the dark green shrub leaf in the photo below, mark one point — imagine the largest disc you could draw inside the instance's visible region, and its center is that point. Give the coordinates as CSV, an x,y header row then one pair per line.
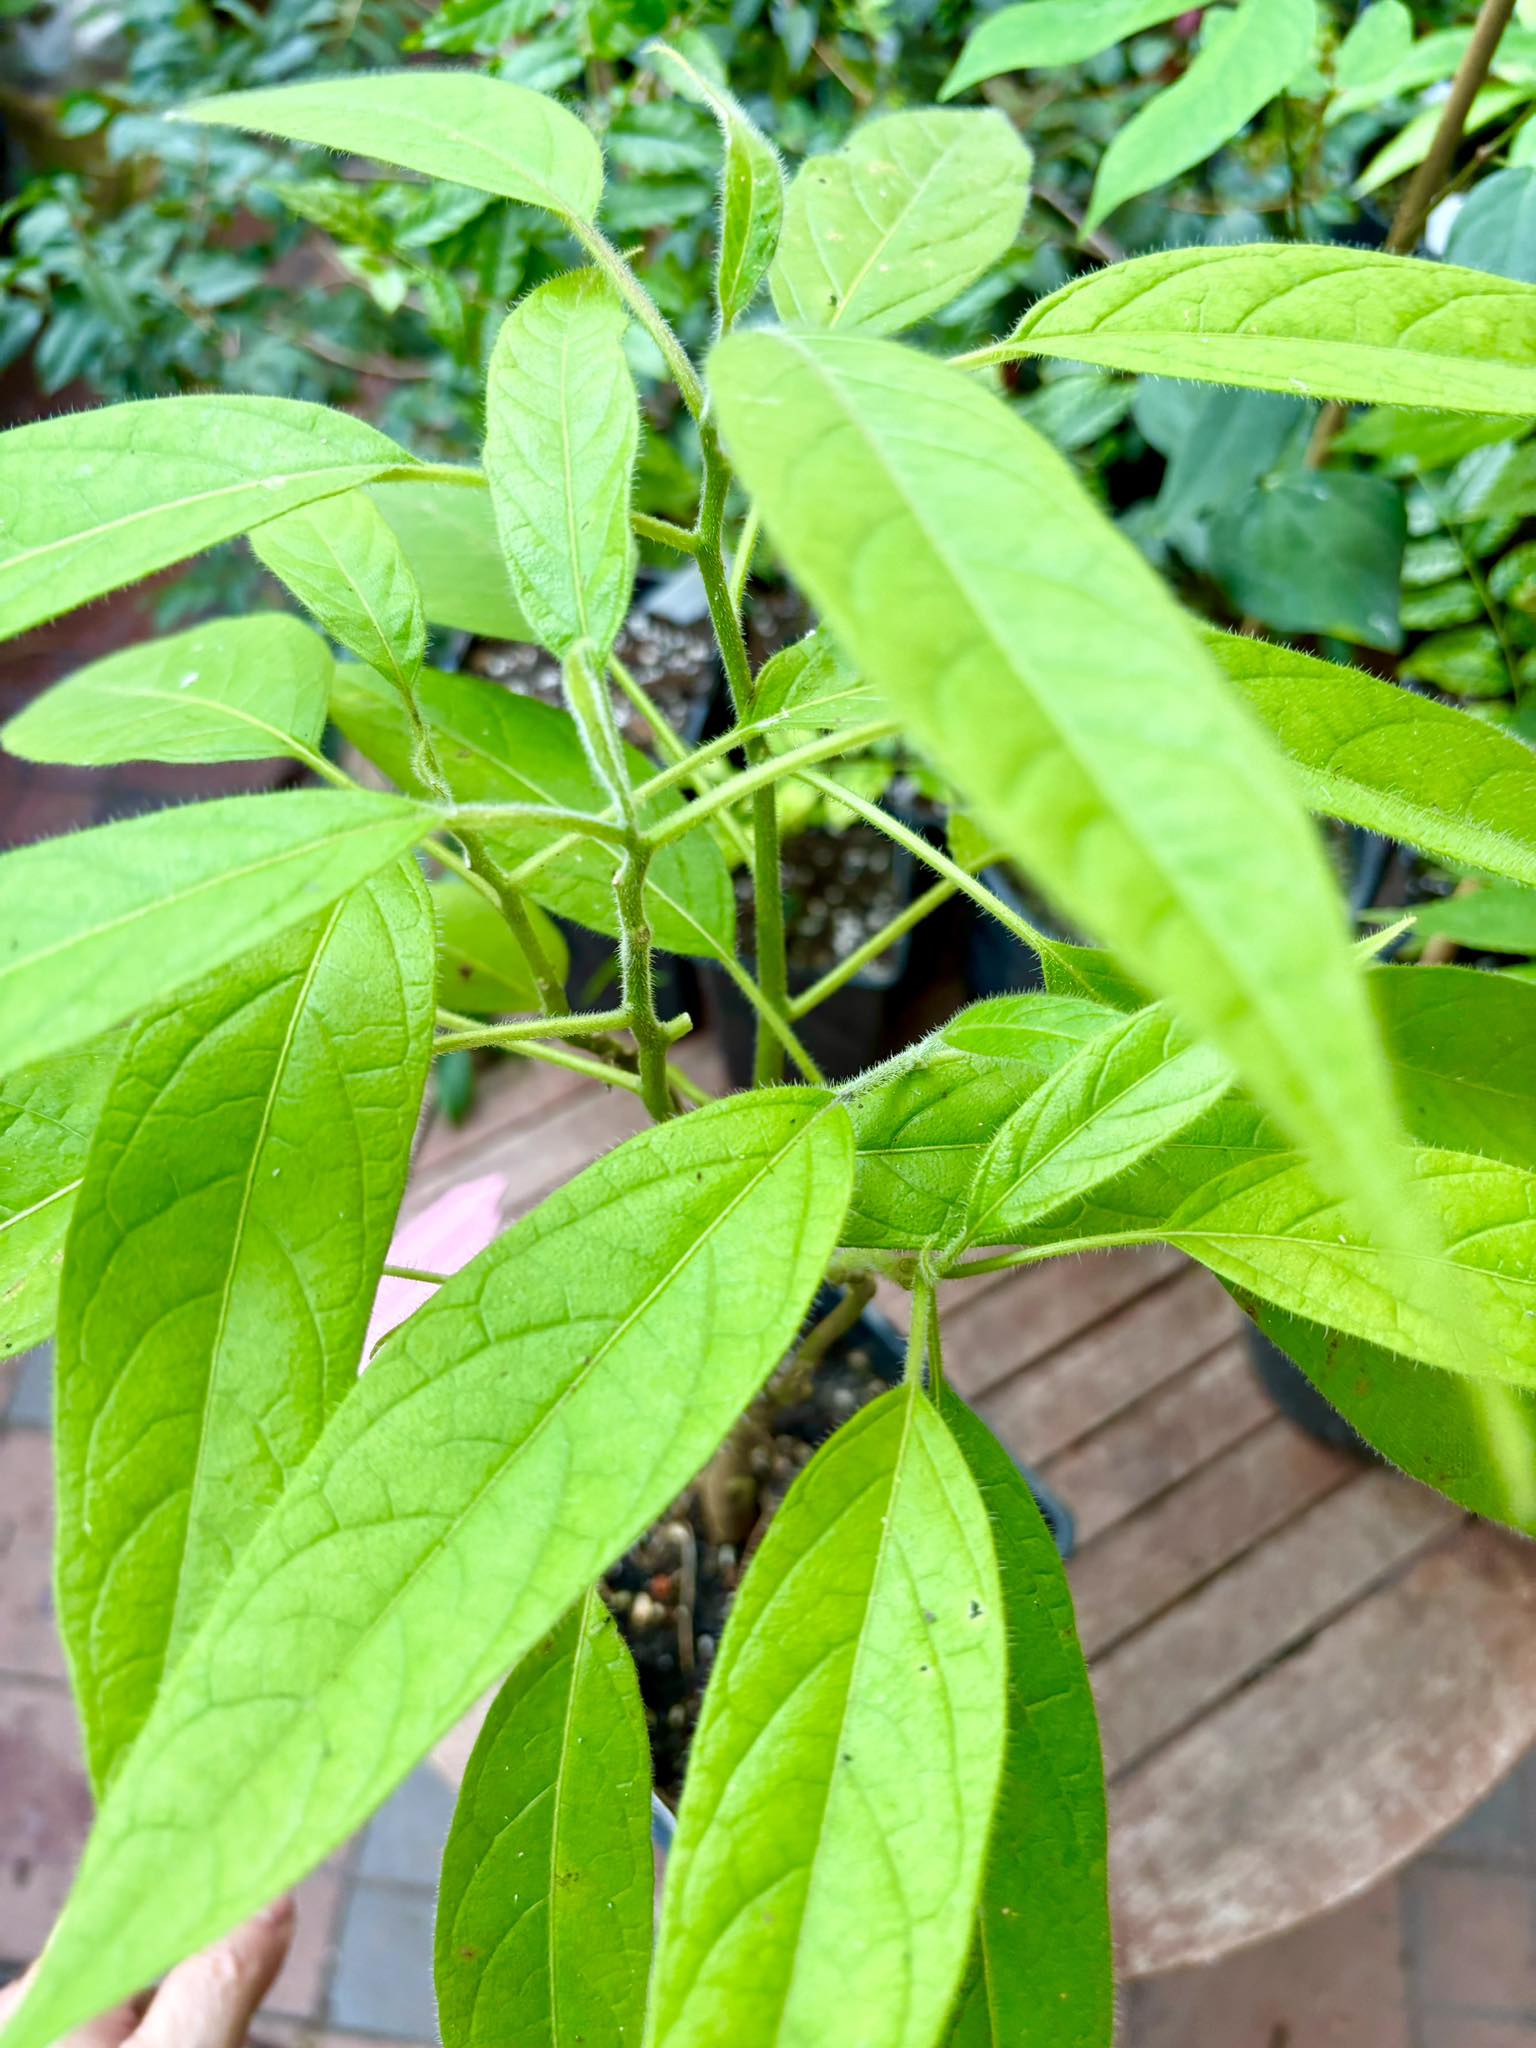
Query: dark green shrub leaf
x,y
1044,33
548,1889
344,563
1460,1044
1496,228
1317,551
47,1114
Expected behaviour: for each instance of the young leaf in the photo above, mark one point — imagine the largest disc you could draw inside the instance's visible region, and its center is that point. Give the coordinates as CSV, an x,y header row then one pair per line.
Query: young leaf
x,y
1129,1090
858,1699
751,189
90,501
922,1122
480,966
1034,654
1042,1959
102,923
562,426
548,1887
1410,145
344,563
808,686
448,532
460,126
506,1443
1394,762
899,221
1041,34
229,690
1247,58
47,1114
1323,322
498,747
238,1201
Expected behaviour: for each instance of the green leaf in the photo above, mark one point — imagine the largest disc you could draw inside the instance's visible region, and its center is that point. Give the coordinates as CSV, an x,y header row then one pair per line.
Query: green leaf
x,y
1394,762
1036,657
1043,33
1409,147
103,923
899,221
922,1122
229,690
1496,229
562,428
90,501
808,686
47,1114
344,563
238,1201
1499,917
1042,1962
1317,551
1128,1091
460,126
1322,322
858,1700
481,968
751,190
448,532
1376,43
1460,1044
498,747
548,1886
506,1443
1246,59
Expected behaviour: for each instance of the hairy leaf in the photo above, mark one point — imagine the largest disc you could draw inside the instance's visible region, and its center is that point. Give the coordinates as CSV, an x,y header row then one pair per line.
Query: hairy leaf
x,y
481,968
47,1114
1461,1045
858,1700
460,126
548,1887
1322,322
343,561
448,532
1396,763
1245,60
562,427
507,1441
238,1201
1044,33
90,501
498,747
751,191
808,686
229,690
899,221
1042,1962
103,923
1036,657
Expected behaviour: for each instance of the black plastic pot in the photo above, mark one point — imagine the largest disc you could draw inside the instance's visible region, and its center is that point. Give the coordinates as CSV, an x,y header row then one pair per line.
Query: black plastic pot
x,y
996,963
1298,1400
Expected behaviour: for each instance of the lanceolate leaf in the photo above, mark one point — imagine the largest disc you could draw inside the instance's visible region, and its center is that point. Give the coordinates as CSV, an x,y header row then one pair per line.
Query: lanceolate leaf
x,y
751,192
1321,322
1247,58
238,1201
923,1122
1045,33
230,690
90,501
900,220
102,924
548,1886
460,126
505,1444
448,532
1128,1091
47,1114
562,426
343,562
858,1700
1396,763
1038,659
497,747
1042,1962
480,966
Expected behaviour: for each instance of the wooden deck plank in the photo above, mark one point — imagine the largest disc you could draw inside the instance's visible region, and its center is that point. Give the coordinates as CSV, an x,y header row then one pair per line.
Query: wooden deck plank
x,y
1179,1668
1103,1369
1334,1767
993,1332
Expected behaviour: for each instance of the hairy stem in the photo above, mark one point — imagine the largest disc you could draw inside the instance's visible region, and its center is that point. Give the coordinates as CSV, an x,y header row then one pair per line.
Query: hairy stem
x,y
651,1041
764,770
645,310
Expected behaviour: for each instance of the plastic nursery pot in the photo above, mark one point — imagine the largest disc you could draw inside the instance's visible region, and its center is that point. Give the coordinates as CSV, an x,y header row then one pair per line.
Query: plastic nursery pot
x,y
1298,1400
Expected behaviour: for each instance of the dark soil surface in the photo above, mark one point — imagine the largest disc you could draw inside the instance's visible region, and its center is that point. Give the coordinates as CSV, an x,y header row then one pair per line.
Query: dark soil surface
x,y
674,664
839,889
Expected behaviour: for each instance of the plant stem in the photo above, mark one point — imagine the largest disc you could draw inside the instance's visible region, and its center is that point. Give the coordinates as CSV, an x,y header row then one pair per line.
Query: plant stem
x,y
445,857
515,915
414,1273
771,949
773,1019
829,984
645,310
317,764
576,1063
582,1024
918,1331
581,824
649,527
741,561
651,1040
935,1346
766,769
